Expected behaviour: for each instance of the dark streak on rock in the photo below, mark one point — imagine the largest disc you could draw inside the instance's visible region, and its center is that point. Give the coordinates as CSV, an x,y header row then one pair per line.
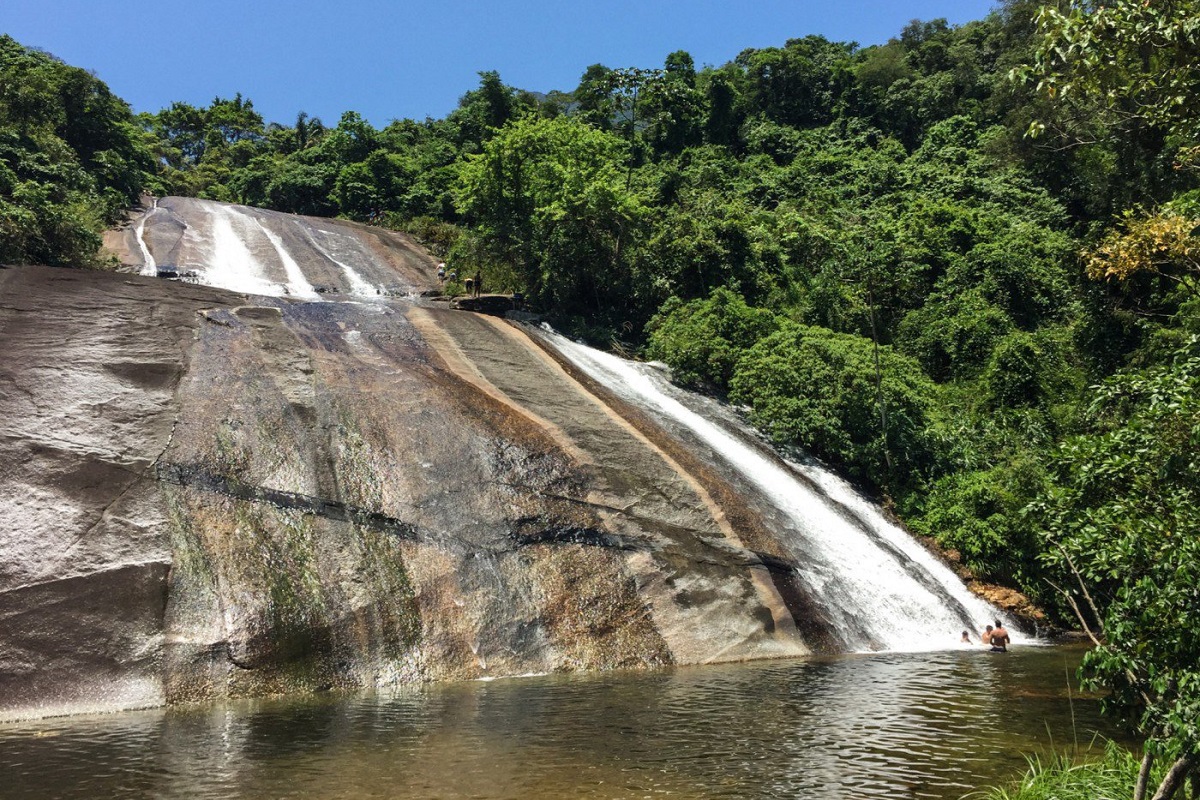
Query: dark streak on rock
x,y
198,477
527,531
532,531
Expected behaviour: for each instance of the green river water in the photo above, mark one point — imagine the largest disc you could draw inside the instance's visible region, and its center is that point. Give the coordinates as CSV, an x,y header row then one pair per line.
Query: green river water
x,y
890,725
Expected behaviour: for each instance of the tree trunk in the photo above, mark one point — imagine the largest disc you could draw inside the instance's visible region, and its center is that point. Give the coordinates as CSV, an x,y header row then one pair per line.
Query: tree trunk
x,y
1175,777
883,431
1139,791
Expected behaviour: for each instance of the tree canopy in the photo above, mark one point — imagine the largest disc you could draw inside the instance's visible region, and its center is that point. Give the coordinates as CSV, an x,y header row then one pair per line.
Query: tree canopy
x,y
1122,515
71,159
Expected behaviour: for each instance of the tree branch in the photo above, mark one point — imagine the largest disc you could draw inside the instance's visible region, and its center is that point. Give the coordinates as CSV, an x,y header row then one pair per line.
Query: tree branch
x,y
1143,778
1175,777
1083,587
1078,614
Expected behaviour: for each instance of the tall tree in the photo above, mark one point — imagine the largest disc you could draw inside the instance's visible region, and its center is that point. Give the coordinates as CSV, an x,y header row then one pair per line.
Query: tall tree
x,y
1122,520
1124,64
546,199
71,159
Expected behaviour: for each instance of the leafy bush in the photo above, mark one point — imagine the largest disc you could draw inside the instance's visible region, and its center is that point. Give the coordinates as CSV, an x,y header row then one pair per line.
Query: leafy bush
x,y
1122,517
953,336
818,389
978,514
71,159
437,236
703,340
548,198
1031,371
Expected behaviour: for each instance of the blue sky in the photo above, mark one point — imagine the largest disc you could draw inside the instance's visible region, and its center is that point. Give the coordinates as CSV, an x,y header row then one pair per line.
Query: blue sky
x,y
397,59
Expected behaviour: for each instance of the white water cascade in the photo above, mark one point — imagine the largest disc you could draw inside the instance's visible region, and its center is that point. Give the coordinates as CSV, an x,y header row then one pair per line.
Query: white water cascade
x,y
297,285
879,587
328,247
149,267
232,265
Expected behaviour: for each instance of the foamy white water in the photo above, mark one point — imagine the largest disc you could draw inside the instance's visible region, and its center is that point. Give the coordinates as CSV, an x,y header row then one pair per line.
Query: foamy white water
x,y
878,585
358,286
297,285
232,265
149,267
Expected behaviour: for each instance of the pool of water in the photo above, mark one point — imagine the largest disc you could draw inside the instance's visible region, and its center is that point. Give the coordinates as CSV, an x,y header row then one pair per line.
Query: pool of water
x,y
891,725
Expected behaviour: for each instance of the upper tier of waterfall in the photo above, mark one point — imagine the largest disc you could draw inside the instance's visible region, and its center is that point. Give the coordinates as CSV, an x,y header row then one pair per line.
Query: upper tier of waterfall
x,y
266,253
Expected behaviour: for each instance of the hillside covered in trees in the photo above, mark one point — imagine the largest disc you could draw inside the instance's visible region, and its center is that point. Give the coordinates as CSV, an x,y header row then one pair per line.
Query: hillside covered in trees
x,y
961,266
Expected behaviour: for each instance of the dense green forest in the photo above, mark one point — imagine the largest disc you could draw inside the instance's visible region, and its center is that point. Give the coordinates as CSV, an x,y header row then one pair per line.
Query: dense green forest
x,y
962,267
72,159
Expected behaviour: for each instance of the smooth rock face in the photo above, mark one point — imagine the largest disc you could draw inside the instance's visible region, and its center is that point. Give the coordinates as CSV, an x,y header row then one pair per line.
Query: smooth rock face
x,y
88,378
210,494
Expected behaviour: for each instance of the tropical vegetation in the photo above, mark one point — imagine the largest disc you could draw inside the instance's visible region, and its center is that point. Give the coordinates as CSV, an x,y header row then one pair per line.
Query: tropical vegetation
x,y
962,266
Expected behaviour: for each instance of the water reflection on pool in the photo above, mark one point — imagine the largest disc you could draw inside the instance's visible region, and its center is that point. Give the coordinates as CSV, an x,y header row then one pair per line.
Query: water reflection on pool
x,y
891,725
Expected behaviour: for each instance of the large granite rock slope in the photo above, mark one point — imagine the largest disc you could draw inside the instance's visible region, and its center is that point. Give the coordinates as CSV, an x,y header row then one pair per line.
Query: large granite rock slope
x,y
212,494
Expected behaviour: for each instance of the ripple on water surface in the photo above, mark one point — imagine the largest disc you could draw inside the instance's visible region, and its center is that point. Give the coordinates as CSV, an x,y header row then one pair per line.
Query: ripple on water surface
x,y
890,726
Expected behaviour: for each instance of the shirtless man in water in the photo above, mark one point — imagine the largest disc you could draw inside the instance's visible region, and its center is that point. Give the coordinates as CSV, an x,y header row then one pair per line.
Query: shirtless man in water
x,y
999,639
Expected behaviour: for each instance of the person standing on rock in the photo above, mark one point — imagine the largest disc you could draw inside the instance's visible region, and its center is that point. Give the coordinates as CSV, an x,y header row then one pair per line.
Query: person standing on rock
x,y
478,282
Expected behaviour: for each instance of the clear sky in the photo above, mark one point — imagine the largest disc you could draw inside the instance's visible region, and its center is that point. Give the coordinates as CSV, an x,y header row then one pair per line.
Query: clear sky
x,y
390,59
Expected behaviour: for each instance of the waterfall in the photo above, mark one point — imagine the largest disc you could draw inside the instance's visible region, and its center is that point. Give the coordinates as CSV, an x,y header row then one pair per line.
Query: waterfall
x,y
149,267
358,286
297,285
231,264
876,587
881,589
264,253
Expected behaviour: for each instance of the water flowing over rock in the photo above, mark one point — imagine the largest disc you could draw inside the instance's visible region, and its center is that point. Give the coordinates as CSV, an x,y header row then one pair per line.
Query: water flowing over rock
x,y
287,472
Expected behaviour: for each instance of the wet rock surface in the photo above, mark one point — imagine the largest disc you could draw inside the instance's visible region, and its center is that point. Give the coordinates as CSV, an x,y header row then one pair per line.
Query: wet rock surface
x,y
210,493
269,253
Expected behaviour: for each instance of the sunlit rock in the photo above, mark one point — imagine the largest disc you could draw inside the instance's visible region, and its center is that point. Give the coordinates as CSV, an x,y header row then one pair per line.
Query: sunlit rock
x,y
283,470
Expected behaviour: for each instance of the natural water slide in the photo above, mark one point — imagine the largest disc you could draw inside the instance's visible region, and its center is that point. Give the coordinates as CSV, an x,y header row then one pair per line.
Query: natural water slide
x,y
287,471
